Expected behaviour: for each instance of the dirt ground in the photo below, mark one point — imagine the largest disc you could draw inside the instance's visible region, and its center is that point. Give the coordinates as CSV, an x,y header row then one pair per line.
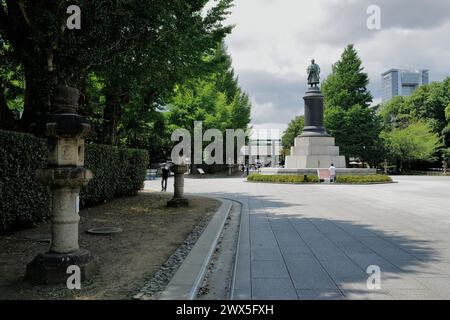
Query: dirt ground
x,y
151,233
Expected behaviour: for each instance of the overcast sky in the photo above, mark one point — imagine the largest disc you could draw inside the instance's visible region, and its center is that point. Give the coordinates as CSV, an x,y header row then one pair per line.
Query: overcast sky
x,y
274,41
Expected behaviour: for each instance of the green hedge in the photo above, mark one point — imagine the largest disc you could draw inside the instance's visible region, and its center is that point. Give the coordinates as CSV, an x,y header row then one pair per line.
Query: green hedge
x,y
117,172
23,201
282,178
376,178
379,178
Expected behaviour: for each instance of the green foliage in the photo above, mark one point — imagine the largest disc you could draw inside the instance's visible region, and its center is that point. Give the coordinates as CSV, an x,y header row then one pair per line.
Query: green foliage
x,y
215,99
446,154
392,114
429,103
415,142
282,178
357,132
347,84
118,172
150,133
135,46
23,201
447,112
11,87
293,130
378,178
347,116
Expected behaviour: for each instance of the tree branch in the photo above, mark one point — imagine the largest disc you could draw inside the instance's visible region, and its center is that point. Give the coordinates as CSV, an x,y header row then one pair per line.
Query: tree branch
x,y
22,8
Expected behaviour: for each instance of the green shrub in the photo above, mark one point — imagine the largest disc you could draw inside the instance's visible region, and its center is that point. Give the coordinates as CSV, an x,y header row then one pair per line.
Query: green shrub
x,y
376,178
282,178
23,201
379,178
118,172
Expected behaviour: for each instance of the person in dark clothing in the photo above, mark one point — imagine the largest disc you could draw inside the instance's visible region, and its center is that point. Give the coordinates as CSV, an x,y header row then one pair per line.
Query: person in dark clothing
x,y
165,175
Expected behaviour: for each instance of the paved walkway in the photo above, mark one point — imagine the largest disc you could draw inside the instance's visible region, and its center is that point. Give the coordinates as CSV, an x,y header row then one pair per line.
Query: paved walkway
x,y
317,241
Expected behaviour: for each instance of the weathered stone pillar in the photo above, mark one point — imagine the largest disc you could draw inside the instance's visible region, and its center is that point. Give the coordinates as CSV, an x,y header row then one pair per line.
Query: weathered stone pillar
x,y
65,174
178,199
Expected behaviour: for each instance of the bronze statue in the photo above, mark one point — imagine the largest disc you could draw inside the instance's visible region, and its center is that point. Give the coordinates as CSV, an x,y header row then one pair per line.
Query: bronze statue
x,y
313,74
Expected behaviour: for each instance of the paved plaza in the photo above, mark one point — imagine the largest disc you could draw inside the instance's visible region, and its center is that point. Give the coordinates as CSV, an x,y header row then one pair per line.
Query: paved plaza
x,y
317,241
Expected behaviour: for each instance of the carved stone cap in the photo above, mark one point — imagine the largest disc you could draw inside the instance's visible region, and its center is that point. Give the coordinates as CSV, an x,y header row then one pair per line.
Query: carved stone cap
x,y
65,100
179,169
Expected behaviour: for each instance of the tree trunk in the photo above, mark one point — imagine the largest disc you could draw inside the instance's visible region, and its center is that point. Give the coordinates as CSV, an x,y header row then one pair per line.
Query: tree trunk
x,y
38,88
111,116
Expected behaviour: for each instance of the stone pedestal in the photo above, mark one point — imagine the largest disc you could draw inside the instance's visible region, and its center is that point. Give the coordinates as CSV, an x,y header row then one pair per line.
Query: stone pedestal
x,y
65,175
178,199
315,152
51,268
314,126
314,148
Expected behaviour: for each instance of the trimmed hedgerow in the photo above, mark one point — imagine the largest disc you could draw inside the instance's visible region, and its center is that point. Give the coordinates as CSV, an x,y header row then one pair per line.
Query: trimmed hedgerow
x,y
282,178
118,172
23,201
376,178
370,179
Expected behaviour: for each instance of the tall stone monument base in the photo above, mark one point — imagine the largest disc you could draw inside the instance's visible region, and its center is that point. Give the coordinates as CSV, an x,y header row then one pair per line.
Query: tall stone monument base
x,y
314,152
314,148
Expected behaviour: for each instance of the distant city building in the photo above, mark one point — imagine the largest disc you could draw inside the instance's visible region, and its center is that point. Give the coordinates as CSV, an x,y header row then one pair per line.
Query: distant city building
x,y
397,82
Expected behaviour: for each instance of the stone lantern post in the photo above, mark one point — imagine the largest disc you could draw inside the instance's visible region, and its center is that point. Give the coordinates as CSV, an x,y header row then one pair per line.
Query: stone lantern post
x,y
65,174
178,199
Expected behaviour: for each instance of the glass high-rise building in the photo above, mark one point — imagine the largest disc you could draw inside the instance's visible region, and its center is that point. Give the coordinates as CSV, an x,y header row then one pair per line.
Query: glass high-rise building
x,y
398,82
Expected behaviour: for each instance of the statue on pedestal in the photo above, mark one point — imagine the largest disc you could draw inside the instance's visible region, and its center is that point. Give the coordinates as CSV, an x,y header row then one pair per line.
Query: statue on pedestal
x,y
313,74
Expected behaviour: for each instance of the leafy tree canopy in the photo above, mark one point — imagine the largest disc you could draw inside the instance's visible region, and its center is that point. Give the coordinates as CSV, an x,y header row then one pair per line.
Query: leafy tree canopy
x,y
347,85
147,45
294,129
416,142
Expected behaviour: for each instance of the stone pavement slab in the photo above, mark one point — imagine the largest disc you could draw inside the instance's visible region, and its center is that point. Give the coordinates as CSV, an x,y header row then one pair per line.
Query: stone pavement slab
x,y
317,241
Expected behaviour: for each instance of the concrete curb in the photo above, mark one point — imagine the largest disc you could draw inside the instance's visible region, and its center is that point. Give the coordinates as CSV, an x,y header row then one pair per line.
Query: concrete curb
x,y
236,255
188,279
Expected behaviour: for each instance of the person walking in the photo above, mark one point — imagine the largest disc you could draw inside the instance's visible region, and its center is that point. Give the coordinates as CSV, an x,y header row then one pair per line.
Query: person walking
x,y
332,171
165,175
